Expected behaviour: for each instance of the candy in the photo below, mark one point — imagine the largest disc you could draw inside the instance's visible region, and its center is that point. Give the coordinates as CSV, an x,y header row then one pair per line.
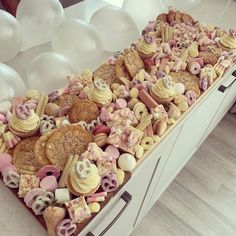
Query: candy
x,y
95,199
134,93
194,68
5,160
147,99
47,171
191,97
3,119
65,228
83,168
11,179
121,103
101,129
31,196
127,162
62,195
113,152
120,176
147,142
49,183
94,207
109,183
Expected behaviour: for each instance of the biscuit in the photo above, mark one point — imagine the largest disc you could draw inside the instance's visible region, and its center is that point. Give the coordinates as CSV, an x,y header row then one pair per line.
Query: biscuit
x,y
162,17
65,141
187,19
120,69
83,110
106,72
208,57
133,62
40,149
24,157
66,100
191,82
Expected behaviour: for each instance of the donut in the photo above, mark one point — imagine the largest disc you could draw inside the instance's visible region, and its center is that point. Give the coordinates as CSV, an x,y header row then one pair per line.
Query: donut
x,y
191,97
47,171
194,68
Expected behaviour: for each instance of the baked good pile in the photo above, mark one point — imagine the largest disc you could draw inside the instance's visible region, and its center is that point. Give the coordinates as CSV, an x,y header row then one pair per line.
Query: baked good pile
x,y
67,150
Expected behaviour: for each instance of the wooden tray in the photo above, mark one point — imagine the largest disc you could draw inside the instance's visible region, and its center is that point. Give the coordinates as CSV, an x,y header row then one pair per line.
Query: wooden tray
x,y
82,225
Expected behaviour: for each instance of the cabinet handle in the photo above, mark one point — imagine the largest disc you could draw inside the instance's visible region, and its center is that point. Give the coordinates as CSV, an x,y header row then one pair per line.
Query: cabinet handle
x,y
222,88
126,197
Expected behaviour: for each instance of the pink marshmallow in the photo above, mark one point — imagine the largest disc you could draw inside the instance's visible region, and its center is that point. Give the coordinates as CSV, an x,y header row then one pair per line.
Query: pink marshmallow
x,y
3,118
113,152
101,129
5,160
49,183
121,103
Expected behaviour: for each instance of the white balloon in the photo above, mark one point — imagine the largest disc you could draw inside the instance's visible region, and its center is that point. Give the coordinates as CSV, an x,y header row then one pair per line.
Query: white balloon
x,y
115,27
39,19
48,71
11,84
144,11
78,41
10,36
182,5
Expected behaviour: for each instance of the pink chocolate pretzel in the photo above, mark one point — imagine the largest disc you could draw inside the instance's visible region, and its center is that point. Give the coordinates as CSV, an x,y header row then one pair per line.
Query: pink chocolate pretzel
x,y
65,228
109,183
23,111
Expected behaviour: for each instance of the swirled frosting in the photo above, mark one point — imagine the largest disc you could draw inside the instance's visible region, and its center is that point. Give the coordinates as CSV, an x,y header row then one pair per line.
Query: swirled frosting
x,y
146,48
85,185
161,90
228,41
100,96
26,125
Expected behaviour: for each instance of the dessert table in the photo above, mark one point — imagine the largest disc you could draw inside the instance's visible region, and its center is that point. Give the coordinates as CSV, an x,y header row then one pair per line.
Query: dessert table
x,y
159,166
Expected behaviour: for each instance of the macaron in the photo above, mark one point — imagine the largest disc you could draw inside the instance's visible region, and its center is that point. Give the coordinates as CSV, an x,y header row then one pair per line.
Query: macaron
x,y
127,162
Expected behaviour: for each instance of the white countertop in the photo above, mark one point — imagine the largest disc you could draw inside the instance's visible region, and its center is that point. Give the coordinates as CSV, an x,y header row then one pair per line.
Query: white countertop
x,y
15,219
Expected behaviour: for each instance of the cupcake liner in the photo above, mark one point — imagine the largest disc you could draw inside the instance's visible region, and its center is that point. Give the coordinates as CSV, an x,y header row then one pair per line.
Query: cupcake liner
x,y
161,100
145,56
24,134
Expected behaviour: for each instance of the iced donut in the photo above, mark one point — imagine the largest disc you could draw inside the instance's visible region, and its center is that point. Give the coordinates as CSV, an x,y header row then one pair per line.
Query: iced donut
x,y
47,171
31,196
191,97
194,68
203,84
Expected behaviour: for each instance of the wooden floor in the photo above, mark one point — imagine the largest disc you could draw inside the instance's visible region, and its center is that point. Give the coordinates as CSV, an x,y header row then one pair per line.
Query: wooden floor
x,y
202,198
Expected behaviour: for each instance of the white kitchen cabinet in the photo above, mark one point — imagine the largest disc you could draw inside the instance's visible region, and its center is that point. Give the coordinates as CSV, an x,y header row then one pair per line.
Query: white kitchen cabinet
x,y
118,217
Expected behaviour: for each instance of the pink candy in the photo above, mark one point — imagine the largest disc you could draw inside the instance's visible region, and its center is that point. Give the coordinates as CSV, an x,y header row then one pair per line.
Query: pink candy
x,y
49,183
113,152
121,103
23,111
109,183
66,228
5,160
47,171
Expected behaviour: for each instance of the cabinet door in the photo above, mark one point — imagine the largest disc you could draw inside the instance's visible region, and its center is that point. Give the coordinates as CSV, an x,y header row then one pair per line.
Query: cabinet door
x,y
193,129
229,99
163,152
119,216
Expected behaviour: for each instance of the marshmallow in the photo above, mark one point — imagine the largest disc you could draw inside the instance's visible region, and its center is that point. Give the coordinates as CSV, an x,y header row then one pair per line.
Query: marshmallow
x,y
62,195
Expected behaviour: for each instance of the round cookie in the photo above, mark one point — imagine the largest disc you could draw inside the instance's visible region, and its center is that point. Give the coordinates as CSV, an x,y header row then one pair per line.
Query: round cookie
x,y
68,140
24,157
40,149
208,57
190,82
66,100
83,110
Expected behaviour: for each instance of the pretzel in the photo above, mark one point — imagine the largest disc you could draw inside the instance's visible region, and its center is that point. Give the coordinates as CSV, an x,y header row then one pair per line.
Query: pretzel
x,y
42,202
65,228
148,38
83,168
167,81
23,111
109,183
46,126
11,179
100,84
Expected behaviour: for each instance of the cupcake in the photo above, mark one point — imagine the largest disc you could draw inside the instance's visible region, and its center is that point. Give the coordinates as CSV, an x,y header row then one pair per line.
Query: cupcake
x,y
163,91
83,179
24,122
146,46
100,93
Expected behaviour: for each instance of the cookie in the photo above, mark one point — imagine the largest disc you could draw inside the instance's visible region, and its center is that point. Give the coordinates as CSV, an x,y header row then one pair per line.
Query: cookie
x,y
187,19
174,16
133,62
65,141
40,149
191,82
66,100
105,72
120,69
24,157
162,17
83,110
208,57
